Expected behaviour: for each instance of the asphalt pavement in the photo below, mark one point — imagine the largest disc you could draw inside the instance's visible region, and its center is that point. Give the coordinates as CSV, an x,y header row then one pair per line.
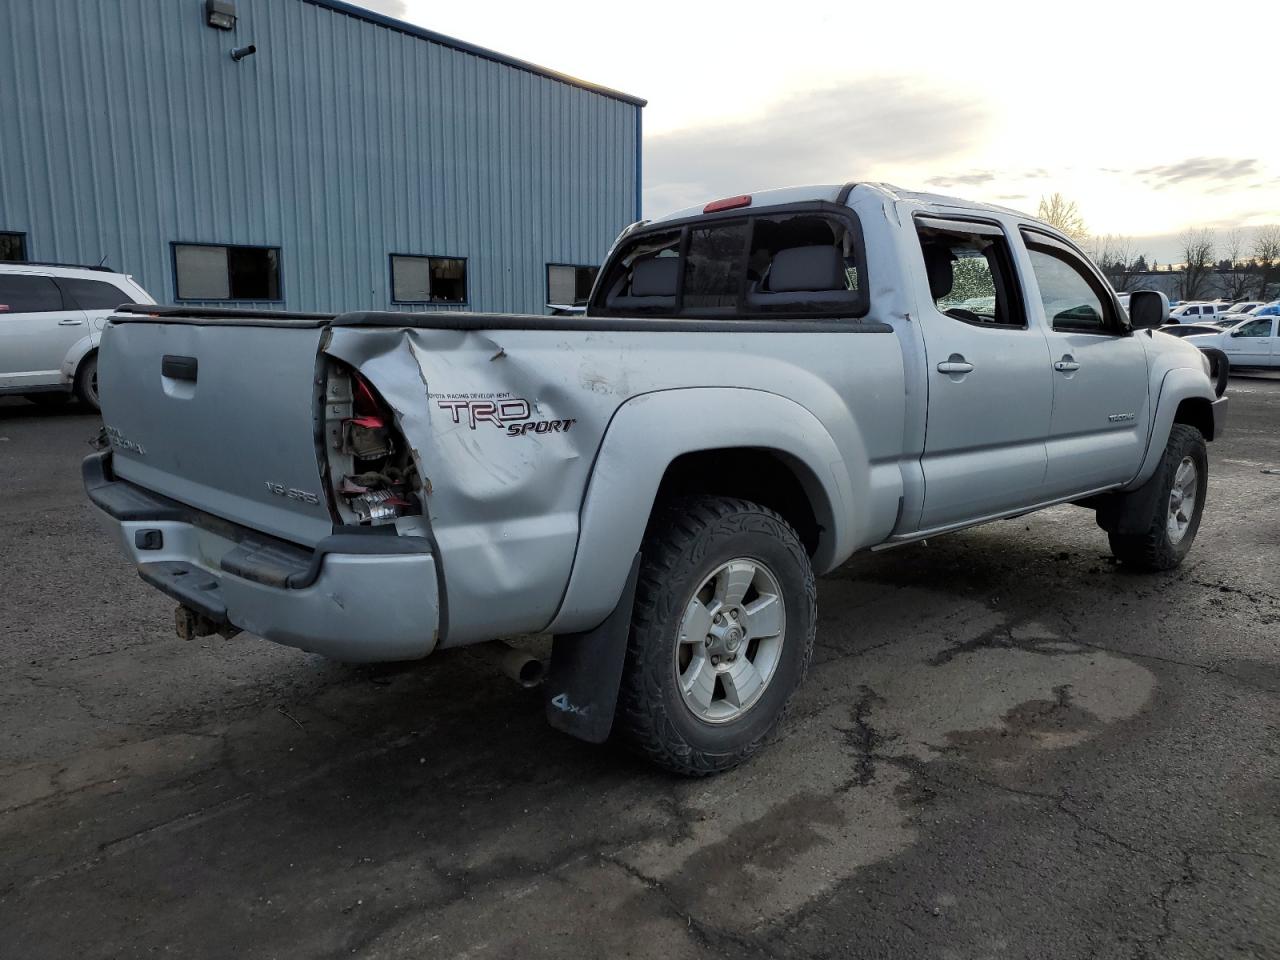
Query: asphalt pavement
x,y
1008,747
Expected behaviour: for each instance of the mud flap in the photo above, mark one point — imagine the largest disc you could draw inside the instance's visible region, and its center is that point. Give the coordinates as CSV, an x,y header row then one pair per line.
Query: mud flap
x,y
586,671
1130,513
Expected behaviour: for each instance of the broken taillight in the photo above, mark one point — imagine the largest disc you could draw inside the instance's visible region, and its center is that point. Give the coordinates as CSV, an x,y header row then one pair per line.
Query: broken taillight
x,y
373,474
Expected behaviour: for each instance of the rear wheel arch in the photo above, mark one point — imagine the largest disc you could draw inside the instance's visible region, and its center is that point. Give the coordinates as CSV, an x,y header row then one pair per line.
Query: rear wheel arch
x,y
659,443
85,381
767,476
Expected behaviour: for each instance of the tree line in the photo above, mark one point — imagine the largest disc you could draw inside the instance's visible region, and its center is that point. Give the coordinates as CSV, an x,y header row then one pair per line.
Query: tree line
x,y
1237,270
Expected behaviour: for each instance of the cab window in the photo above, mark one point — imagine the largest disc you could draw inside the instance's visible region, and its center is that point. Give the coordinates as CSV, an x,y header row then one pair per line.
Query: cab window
x,y
1254,328
801,264
1074,300
969,274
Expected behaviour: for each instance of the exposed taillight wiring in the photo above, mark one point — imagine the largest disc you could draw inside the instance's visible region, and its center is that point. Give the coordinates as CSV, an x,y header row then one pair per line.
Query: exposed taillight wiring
x,y
372,473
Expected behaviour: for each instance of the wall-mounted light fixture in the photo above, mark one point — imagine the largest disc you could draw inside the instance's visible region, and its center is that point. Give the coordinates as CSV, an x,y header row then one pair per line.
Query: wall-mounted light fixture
x,y
220,14
239,53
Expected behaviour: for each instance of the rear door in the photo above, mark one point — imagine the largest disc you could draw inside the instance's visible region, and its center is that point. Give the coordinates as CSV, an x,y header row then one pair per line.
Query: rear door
x,y
1101,401
37,328
222,416
990,387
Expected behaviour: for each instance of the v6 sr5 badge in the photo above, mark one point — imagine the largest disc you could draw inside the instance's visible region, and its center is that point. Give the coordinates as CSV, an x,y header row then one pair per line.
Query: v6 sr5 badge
x,y
514,415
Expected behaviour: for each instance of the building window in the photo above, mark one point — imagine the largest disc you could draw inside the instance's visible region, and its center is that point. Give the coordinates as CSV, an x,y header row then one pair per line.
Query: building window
x,y
416,279
205,271
13,246
568,285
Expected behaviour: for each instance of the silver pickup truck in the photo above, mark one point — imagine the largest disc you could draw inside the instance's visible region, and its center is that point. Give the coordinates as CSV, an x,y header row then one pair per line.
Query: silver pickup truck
x,y
759,389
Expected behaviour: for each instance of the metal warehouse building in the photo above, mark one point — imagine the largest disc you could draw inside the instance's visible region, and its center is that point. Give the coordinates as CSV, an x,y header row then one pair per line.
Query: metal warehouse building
x,y
337,160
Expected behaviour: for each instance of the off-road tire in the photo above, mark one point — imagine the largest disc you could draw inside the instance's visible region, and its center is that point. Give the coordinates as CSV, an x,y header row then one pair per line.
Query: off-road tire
x,y
87,382
1152,550
687,539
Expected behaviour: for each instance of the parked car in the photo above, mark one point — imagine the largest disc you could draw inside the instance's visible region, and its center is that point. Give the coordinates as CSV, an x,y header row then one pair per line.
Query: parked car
x,y
1251,342
1241,308
51,316
1194,312
1271,309
761,387
1188,329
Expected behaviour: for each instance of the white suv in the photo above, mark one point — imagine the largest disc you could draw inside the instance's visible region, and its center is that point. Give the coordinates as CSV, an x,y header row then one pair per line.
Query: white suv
x,y
51,316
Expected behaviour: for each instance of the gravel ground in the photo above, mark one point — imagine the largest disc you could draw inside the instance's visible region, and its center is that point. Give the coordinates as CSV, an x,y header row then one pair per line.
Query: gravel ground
x,y
1008,747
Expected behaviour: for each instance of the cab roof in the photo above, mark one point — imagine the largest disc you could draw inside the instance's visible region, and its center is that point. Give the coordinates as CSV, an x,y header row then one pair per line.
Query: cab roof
x,y
832,193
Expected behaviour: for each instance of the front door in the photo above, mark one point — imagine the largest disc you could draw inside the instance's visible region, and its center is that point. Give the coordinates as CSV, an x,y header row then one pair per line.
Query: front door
x,y
1101,401
36,331
990,390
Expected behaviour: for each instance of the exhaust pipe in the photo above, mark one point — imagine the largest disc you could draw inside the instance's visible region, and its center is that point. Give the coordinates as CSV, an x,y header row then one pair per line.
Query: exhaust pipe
x,y
520,665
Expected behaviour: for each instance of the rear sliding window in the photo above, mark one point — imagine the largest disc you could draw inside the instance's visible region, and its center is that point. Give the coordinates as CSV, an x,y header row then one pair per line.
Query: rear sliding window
x,y
780,265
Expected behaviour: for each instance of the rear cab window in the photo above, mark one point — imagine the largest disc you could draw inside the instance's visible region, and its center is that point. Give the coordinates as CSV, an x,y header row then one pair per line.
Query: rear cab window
x,y
804,262
970,272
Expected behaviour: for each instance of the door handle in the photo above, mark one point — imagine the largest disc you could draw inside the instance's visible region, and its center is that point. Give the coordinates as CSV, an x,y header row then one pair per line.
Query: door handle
x,y
1066,365
955,364
179,368
70,323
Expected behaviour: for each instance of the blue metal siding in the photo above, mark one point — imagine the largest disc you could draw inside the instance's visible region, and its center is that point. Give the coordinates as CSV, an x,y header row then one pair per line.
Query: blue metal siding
x,y
340,141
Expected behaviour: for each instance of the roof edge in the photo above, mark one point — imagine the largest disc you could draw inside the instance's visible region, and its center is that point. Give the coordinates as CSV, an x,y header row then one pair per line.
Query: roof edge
x,y
422,33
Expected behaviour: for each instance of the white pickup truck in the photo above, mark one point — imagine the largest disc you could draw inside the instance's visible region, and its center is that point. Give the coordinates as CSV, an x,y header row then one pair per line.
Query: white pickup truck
x,y
760,388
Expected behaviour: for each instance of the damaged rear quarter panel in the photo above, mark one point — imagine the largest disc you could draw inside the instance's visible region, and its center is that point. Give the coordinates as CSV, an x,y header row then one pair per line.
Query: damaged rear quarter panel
x,y
505,426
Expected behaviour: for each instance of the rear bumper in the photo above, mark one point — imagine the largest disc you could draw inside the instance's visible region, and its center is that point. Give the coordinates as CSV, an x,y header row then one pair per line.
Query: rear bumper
x,y
356,597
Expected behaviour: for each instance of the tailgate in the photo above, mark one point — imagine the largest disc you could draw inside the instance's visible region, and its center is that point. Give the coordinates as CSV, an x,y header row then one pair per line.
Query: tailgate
x,y
222,417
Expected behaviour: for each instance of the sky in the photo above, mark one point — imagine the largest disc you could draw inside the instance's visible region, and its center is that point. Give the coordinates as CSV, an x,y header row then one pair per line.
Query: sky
x,y
1152,116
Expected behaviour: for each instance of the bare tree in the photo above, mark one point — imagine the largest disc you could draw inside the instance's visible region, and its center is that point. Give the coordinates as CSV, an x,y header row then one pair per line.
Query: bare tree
x,y
1057,211
1233,273
1266,252
1197,263
1114,257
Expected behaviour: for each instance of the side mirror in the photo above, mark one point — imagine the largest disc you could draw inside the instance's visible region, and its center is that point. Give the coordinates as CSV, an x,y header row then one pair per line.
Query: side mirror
x,y
1148,309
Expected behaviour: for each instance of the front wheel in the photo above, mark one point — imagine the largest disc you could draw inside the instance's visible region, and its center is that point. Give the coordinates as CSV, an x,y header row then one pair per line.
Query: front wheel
x,y
721,637
1173,514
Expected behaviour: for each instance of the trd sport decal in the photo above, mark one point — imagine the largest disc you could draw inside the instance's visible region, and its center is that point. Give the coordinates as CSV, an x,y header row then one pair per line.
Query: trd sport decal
x,y
512,414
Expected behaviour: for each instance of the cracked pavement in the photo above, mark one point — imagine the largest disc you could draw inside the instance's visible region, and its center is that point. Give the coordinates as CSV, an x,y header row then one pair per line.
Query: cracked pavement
x,y
1007,747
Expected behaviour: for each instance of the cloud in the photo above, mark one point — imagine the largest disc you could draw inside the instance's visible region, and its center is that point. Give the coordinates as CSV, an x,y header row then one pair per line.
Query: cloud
x,y
975,179
820,136
1199,168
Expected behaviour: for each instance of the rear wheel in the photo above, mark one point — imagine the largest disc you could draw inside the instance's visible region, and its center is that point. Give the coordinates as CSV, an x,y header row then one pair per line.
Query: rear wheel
x,y
722,634
87,382
1174,515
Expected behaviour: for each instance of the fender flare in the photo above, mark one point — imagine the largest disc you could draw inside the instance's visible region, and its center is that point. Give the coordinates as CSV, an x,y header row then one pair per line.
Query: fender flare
x,y
1180,383
647,433
79,350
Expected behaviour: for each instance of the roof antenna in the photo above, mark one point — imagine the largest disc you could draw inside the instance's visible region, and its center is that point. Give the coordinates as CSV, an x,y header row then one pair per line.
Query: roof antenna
x,y
103,260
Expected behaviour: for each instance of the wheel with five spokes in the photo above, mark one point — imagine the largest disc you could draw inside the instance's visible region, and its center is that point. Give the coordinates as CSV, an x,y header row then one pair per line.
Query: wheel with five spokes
x,y
721,636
